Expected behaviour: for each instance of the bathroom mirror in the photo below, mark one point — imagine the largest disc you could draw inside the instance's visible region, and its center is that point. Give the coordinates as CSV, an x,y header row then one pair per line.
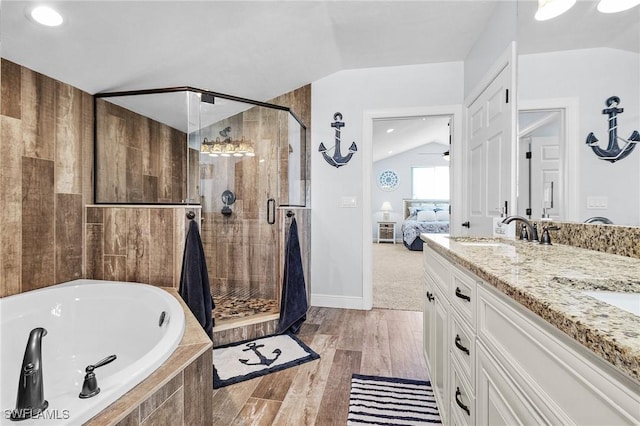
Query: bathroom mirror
x,y
567,68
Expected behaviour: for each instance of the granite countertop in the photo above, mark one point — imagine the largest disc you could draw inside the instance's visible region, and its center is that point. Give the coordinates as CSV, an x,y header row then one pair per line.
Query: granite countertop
x,y
549,280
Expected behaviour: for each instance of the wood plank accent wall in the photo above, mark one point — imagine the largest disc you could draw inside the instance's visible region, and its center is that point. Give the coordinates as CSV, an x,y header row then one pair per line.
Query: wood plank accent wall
x,y
137,243
141,160
46,141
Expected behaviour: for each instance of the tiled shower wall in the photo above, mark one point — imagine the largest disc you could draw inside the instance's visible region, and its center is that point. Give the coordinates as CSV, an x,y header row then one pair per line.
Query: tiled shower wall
x,y
136,244
46,167
46,146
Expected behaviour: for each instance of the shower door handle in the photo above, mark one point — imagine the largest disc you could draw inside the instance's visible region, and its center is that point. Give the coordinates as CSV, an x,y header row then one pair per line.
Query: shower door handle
x,y
271,211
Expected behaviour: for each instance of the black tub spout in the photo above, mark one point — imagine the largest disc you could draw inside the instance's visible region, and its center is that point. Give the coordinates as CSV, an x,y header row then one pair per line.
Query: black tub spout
x,y
30,401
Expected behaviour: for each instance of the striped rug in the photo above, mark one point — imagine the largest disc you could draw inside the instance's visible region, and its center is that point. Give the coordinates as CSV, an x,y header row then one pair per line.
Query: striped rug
x,y
390,401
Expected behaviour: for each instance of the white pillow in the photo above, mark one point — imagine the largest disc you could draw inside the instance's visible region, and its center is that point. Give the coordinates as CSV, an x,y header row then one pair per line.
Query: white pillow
x,y
442,215
426,216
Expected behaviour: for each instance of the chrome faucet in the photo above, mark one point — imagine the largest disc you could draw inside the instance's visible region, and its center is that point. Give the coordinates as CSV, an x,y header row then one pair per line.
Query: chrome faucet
x,y
532,235
30,401
599,219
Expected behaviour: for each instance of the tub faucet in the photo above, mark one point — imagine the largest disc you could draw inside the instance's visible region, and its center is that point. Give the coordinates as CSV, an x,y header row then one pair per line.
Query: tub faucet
x,y
532,235
30,401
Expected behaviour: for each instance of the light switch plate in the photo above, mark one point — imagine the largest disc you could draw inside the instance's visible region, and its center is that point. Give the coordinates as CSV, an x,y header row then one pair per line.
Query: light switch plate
x,y
348,201
597,203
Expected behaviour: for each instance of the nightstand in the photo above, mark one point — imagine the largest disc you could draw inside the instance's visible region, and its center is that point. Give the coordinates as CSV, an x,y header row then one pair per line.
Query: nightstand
x,y
387,232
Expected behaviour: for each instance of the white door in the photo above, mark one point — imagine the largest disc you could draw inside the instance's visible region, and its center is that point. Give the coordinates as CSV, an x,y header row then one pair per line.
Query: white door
x,y
539,177
489,129
539,151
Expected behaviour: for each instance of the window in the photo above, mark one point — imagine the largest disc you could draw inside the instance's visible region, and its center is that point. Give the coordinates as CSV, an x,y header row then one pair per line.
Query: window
x,y
430,182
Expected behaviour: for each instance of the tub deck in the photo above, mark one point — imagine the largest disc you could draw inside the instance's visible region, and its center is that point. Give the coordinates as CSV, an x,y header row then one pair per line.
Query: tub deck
x,y
179,392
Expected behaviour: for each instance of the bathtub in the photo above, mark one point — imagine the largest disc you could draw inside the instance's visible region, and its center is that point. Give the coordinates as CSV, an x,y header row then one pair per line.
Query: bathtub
x,y
86,321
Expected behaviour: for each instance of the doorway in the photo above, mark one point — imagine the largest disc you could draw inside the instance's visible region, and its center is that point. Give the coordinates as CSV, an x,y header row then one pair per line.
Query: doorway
x,y
540,142
371,209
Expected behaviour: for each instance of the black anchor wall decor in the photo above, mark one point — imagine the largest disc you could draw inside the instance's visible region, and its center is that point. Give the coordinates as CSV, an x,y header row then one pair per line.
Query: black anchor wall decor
x,y
337,160
613,152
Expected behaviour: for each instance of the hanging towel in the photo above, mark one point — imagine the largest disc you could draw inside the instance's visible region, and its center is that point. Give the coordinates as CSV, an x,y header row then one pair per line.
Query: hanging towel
x,y
194,280
293,306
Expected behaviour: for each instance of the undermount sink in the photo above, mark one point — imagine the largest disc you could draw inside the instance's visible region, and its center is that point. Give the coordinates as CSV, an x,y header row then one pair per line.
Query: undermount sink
x,y
481,244
478,242
630,302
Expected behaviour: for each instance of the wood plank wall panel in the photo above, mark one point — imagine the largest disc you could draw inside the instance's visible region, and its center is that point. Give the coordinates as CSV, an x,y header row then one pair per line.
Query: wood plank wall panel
x,y
69,236
68,146
38,224
38,115
161,243
136,244
142,160
11,202
45,178
11,90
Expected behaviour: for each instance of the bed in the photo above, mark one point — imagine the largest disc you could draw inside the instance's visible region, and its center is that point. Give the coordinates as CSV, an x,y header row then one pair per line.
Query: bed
x,y
423,215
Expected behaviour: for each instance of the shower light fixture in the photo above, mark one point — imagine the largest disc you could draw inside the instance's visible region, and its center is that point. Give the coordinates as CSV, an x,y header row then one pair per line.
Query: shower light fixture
x,y
228,148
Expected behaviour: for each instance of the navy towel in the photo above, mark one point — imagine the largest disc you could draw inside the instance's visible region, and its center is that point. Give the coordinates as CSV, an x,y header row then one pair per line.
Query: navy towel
x,y
293,306
194,280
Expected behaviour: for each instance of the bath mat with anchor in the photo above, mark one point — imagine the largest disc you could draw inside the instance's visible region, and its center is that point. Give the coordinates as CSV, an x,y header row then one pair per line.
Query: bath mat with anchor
x,y
246,360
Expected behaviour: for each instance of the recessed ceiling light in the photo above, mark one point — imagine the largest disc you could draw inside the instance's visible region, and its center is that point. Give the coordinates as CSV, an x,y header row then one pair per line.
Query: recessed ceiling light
x,y
610,6
390,152
549,9
390,130
45,15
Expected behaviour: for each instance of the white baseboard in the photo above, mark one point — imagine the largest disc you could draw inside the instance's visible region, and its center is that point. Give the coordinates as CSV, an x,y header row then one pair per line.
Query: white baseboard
x,y
342,302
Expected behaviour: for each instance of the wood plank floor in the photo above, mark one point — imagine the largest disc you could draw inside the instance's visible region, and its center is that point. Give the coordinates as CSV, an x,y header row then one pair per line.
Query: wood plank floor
x,y
377,342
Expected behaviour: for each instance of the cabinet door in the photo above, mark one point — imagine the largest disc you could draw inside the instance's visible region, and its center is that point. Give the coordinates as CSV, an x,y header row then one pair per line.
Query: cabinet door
x,y
498,402
440,369
428,324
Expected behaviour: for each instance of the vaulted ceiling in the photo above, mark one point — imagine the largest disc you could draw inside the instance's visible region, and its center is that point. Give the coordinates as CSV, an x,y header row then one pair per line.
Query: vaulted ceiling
x,y
261,49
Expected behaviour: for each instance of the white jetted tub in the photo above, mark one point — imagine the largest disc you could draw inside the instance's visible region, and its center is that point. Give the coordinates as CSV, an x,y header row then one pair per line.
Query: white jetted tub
x,y
85,322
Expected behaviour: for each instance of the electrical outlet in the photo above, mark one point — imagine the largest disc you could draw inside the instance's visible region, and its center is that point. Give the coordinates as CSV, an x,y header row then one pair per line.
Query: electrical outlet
x,y
597,203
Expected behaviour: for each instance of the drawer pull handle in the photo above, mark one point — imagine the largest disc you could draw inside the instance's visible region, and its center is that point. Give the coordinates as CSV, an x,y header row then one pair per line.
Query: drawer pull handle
x,y
430,297
460,403
462,295
458,343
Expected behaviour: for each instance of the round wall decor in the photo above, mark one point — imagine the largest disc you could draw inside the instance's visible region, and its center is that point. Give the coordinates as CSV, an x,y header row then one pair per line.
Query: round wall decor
x,y
388,180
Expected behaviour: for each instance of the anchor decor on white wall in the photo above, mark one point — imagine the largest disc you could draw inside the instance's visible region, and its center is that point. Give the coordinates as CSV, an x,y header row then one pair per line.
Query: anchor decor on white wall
x,y
613,152
337,160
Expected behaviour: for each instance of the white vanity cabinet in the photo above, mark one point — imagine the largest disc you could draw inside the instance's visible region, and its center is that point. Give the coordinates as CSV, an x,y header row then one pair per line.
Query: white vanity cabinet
x,y
449,338
501,364
436,316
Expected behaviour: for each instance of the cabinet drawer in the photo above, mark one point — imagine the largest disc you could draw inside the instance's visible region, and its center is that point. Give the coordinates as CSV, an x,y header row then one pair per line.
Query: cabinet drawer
x,y
437,267
462,294
462,399
462,344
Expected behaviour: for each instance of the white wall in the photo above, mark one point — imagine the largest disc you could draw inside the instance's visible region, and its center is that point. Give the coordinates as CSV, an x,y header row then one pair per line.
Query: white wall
x,y
401,164
337,261
498,34
592,76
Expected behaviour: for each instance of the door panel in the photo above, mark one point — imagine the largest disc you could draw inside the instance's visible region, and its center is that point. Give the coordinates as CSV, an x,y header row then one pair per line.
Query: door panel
x,y
489,149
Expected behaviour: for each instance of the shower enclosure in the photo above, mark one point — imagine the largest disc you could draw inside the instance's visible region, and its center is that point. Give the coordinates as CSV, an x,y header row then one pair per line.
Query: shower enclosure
x,y
244,162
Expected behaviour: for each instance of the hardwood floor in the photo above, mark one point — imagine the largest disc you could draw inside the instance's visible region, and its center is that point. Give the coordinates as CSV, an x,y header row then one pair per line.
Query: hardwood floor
x,y
377,342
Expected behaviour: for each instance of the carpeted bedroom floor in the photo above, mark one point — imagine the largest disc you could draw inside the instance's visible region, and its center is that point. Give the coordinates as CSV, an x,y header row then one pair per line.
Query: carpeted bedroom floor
x,y
398,281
